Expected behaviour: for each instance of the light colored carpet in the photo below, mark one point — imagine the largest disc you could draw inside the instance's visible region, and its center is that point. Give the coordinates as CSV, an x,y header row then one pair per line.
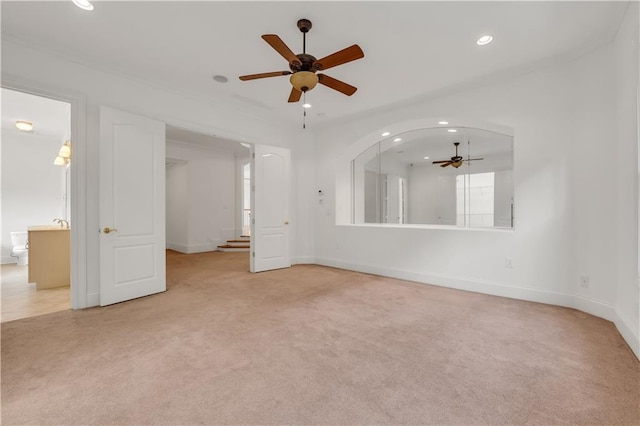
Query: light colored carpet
x,y
314,345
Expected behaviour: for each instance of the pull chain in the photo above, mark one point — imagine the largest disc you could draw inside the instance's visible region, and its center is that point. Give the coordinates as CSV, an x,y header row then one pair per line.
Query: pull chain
x,y
304,110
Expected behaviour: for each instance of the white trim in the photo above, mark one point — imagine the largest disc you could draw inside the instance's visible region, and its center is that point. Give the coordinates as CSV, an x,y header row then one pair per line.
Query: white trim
x,y
181,248
196,248
304,260
8,260
79,298
630,334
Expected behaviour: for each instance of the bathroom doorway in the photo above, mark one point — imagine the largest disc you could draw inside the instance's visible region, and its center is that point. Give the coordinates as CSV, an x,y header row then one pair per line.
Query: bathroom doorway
x,y
36,186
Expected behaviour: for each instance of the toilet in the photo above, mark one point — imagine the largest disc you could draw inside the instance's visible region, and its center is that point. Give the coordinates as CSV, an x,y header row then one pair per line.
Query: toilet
x,y
20,249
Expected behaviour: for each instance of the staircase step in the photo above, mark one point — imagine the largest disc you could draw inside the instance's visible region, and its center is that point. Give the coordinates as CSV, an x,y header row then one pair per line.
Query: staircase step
x,y
238,241
234,247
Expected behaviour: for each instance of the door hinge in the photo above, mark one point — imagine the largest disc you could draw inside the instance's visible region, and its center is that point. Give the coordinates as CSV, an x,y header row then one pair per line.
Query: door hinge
x,y
253,253
253,155
253,221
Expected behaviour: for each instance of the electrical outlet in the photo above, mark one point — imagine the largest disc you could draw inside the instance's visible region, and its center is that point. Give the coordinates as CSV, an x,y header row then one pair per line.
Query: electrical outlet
x,y
508,262
584,281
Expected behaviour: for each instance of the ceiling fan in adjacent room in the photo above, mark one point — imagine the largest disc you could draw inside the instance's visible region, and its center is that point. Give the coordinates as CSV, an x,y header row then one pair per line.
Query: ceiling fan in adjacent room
x,y
304,67
457,160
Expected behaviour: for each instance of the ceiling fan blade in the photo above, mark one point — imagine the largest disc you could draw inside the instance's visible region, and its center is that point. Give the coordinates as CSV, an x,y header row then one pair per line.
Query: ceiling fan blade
x,y
336,84
280,47
442,161
343,56
474,159
295,95
264,75
448,163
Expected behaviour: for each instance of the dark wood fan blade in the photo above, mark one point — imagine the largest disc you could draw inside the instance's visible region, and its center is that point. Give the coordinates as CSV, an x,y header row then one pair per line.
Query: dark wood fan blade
x,y
343,56
448,163
280,47
443,161
474,159
264,75
336,84
295,95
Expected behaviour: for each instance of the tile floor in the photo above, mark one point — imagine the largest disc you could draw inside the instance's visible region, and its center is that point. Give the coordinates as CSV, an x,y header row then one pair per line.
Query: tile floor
x,y
21,299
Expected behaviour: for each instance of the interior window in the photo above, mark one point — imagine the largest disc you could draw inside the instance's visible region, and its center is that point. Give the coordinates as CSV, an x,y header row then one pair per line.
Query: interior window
x,y
439,176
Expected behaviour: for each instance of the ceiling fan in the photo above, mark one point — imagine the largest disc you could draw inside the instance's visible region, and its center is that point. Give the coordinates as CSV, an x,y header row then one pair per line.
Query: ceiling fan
x,y
304,66
455,161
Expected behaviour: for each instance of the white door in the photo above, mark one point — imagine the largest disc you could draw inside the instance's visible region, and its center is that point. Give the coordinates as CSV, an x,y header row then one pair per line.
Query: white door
x,y
132,206
270,208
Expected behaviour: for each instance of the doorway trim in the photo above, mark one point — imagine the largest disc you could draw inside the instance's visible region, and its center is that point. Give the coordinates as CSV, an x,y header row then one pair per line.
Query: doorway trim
x,y
78,172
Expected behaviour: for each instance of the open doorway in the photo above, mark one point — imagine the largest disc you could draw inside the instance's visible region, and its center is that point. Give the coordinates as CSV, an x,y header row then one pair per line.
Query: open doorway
x,y
36,187
208,204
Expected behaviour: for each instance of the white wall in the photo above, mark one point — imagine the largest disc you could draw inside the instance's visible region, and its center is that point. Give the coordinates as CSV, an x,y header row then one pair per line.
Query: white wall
x,y
32,186
207,194
39,69
566,202
177,205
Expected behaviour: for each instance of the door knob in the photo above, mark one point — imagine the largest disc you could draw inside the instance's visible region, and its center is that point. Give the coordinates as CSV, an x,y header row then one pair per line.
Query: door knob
x,y
108,230
287,222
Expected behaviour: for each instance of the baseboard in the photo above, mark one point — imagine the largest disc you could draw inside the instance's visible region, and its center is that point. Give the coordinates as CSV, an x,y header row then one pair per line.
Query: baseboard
x,y
303,260
194,248
201,248
182,248
629,333
7,260
461,283
584,304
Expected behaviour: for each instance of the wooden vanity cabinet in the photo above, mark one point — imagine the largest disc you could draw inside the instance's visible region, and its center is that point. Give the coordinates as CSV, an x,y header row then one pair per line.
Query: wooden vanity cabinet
x,y
49,257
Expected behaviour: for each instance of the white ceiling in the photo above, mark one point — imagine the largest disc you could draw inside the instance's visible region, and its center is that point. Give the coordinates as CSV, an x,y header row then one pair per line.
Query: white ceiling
x,y
50,118
412,49
176,134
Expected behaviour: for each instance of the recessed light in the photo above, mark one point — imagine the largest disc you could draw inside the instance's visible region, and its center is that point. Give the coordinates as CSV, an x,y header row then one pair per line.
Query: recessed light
x,y
83,4
25,126
426,158
485,39
397,139
451,130
443,122
385,134
220,78
306,105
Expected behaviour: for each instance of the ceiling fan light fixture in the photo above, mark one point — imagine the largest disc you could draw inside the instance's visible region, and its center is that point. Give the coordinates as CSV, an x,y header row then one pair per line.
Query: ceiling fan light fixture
x,y
303,80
